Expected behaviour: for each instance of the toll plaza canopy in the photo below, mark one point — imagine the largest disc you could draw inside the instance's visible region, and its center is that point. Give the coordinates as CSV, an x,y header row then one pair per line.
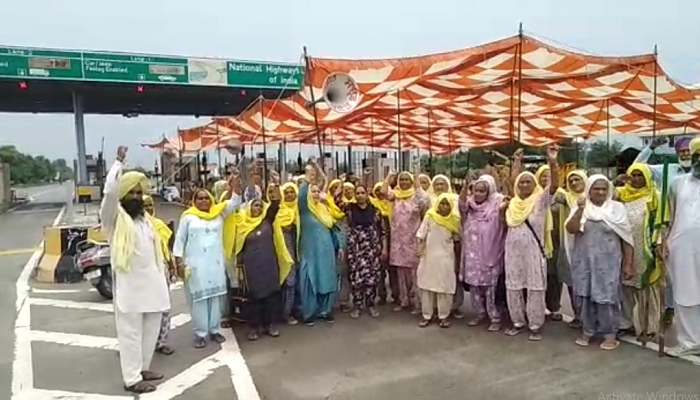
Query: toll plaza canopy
x,y
515,89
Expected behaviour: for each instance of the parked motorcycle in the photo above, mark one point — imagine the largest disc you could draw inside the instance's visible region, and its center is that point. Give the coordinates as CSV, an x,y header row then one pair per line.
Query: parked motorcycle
x,y
93,260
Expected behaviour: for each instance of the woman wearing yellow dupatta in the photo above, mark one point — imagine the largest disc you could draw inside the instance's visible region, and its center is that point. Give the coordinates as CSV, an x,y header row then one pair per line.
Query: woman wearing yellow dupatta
x,y
641,200
164,234
438,186
319,248
408,208
262,254
379,201
525,260
435,276
288,218
204,240
560,273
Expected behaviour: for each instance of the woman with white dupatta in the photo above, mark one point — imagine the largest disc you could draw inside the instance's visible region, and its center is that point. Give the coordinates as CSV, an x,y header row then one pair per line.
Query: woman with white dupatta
x,y
602,248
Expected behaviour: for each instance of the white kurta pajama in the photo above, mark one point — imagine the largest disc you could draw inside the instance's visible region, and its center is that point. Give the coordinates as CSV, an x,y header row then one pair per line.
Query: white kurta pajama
x,y
436,269
141,294
684,261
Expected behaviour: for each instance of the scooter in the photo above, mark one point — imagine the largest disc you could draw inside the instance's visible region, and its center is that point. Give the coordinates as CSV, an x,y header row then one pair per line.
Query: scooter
x,y
93,260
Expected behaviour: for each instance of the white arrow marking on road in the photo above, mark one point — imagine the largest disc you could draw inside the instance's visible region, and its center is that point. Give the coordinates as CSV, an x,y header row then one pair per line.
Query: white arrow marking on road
x,y
78,305
77,340
43,394
186,379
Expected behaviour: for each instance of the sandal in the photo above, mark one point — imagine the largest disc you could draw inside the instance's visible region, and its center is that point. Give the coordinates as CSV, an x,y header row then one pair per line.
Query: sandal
x,y
609,344
355,314
475,321
217,337
456,314
423,323
253,336
226,324
140,387
373,312
165,350
575,324
199,343
556,316
494,327
309,322
514,331
397,308
271,331
292,321
583,341
345,309
444,323
151,376
535,335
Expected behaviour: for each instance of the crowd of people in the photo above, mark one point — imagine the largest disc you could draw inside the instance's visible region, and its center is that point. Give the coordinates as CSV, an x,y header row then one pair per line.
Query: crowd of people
x,y
297,251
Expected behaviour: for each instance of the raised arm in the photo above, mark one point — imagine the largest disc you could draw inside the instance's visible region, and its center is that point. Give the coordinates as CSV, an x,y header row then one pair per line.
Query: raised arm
x,y
573,225
552,158
515,169
110,199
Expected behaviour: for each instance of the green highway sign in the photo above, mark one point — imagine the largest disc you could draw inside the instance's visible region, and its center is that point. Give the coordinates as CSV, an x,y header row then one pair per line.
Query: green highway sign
x,y
23,63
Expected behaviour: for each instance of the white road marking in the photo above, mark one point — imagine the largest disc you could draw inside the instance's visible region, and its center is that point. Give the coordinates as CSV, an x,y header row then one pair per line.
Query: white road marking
x,y
43,394
74,339
186,379
650,345
240,374
179,320
78,305
22,369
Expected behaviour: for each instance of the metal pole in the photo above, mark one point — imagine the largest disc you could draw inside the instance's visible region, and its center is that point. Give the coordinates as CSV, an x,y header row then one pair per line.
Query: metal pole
x,y
262,116
430,144
218,147
283,160
398,128
656,63
80,138
309,84
520,78
607,134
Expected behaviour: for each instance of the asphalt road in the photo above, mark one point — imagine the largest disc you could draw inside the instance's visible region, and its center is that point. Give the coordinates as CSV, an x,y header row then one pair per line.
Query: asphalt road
x,y
387,358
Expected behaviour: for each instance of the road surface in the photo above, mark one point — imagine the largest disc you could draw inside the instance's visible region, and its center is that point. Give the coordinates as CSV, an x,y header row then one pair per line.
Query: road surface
x,y
73,352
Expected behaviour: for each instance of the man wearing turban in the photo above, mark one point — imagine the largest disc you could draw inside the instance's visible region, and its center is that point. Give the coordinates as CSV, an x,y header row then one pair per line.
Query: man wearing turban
x,y
683,166
683,256
140,291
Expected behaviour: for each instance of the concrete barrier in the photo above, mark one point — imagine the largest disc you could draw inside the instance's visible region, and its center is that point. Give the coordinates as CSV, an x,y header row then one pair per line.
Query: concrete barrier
x,y
59,248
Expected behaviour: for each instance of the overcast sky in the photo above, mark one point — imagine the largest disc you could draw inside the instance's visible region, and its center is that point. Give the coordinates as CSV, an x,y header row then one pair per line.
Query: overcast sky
x,y
275,30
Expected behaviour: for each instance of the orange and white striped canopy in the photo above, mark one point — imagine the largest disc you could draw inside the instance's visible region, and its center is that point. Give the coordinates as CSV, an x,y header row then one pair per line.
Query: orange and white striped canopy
x,y
515,89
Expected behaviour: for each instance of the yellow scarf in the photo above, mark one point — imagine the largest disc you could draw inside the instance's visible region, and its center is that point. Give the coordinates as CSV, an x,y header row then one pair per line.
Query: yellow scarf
x,y
215,211
570,195
319,210
348,185
520,209
402,194
122,240
449,222
571,198
333,208
628,193
246,224
161,228
652,218
289,211
383,206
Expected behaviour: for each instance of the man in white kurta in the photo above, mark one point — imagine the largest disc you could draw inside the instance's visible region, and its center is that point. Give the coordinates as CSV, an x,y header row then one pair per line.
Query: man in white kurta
x,y
684,256
141,293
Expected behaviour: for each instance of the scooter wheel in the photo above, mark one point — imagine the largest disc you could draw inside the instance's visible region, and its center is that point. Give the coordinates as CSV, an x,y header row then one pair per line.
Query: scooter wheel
x,y
104,287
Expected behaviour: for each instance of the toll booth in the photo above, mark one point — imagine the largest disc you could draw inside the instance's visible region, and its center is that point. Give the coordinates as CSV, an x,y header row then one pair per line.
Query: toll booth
x,y
91,190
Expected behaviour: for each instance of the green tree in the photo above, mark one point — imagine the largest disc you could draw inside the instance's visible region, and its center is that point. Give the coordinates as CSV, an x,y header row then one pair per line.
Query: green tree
x,y
25,169
599,154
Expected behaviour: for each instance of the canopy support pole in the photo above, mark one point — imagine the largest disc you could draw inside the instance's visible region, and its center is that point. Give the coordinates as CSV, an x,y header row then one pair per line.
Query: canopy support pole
x,y
656,63
430,143
264,140
309,84
520,79
398,129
